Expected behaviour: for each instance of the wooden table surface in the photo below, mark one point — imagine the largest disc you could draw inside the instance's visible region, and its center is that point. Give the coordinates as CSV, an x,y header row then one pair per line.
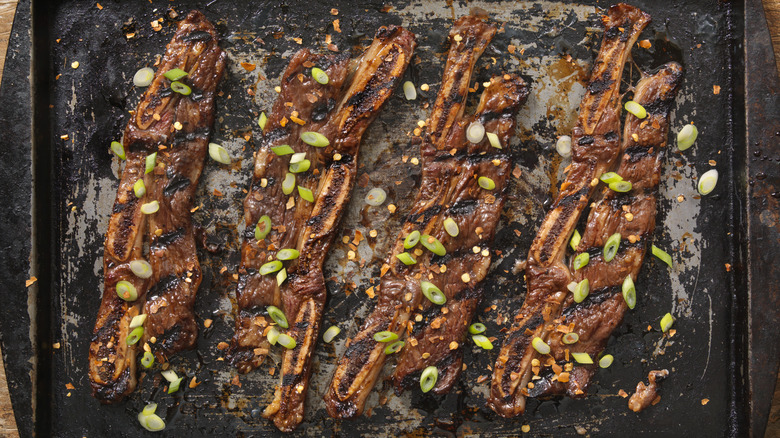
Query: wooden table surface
x,y
7,8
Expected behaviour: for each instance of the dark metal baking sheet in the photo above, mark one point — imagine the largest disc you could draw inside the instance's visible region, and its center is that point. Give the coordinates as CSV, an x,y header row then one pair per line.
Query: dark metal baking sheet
x,y
63,214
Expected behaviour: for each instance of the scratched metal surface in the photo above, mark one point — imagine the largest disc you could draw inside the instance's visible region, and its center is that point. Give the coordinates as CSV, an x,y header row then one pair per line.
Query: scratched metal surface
x,y
555,43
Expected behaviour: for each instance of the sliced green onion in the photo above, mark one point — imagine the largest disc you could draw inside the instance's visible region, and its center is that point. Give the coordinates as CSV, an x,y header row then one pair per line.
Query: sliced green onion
x,y
475,132
283,149
288,184
477,328
149,409
666,322
606,361
306,193
572,286
610,177
139,188
297,158
169,375
581,291
494,140
314,139
281,276
286,341
486,183
270,267
148,360
376,196
180,88
482,341
428,378
126,291
174,386
134,336
278,316
433,293
629,292
141,268
143,77
137,321
175,74
118,149
570,338
395,347
411,239
219,154
150,207
151,161
611,247
151,422
708,181
272,335
433,245
581,260
540,346
575,240
301,166
620,186
331,334
406,258
262,121
319,75
686,137
263,227
563,146
636,109
663,255
410,92
288,254
385,336
451,227
582,358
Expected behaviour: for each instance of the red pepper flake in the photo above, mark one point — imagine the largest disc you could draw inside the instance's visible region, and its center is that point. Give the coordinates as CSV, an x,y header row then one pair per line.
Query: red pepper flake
x,y
645,44
716,89
248,66
70,386
334,11
728,267
622,393
511,48
704,401
235,381
336,26
516,172
99,6
30,281
370,292
333,48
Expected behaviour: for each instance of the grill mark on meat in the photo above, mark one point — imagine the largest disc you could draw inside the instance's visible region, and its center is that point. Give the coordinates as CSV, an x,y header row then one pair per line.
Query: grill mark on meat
x,y
595,149
112,362
311,227
442,189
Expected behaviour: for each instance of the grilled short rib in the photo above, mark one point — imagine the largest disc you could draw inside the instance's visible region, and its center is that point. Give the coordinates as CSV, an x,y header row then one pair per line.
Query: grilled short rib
x,y
595,149
449,189
167,297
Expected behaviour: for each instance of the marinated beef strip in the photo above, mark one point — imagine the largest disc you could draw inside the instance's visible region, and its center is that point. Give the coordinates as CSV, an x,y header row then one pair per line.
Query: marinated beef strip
x,y
379,71
399,291
632,214
302,99
111,361
595,148
436,334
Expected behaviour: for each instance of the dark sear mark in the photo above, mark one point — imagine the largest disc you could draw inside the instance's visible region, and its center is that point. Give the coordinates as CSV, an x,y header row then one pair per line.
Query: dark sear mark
x,y
168,304
595,150
341,111
448,189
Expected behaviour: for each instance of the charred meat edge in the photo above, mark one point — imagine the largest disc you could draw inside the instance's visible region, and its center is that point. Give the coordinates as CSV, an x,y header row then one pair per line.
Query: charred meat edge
x,y
436,334
399,292
302,99
595,148
194,49
601,312
379,71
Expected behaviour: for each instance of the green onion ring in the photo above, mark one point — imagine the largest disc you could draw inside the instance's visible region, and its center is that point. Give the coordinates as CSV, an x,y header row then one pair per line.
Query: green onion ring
x,y
482,341
319,75
300,167
621,186
433,293
141,268
272,335
583,358
286,341
486,183
151,161
663,255
315,139
126,291
686,137
570,338
432,244
582,291
477,328
175,74
666,322
331,334
376,196
143,77
148,360
606,361
406,258
118,149
263,227
540,346
270,267
138,321
150,207
385,336
707,182
174,386
494,140
636,109
134,336
428,378
610,177
451,227
411,239
581,260
149,409
611,247
151,422
219,154
575,240
475,132
297,157
262,121
282,149
288,185
139,188
288,254
281,276
306,194
629,292
278,316
394,347
180,88
410,92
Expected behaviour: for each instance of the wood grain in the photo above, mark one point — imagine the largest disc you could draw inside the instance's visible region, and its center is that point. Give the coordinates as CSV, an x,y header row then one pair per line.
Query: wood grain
x,y
7,421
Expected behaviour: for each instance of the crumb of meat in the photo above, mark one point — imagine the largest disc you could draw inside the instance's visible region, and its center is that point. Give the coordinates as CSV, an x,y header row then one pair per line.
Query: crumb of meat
x,y
646,395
